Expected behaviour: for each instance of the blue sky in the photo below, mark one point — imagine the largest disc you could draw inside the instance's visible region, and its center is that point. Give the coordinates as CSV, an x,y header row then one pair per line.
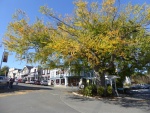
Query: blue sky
x,y
31,7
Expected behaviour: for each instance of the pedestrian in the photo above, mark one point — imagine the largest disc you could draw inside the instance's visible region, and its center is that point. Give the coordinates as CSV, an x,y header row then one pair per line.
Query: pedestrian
x,y
16,80
72,85
8,84
11,83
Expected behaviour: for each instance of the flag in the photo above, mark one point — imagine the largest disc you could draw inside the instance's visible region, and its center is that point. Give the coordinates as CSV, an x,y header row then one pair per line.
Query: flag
x,y
5,57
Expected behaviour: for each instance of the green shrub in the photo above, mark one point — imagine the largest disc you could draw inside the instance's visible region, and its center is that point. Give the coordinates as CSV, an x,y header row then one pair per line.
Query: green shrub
x,y
94,90
88,91
100,91
109,90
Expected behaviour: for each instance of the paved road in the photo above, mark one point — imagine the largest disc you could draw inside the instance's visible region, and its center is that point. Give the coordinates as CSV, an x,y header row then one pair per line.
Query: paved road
x,y
27,98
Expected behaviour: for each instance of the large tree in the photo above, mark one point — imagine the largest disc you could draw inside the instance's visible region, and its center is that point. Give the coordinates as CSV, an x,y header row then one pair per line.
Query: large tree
x,y
103,36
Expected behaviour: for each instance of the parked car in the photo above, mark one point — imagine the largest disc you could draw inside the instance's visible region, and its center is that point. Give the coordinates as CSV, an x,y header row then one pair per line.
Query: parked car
x,y
31,81
44,82
37,82
140,86
22,81
144,86
27,82
3,80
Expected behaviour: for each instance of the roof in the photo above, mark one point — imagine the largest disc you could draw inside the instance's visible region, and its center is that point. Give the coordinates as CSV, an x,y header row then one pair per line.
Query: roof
x,y
29,67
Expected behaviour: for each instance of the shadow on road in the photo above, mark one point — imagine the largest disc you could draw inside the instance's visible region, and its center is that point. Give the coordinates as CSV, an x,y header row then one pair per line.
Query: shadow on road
x,y
79,98
130,102
139,101
23,88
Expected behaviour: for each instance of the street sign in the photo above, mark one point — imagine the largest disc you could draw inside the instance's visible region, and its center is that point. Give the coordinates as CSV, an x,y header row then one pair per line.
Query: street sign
x,y
5,57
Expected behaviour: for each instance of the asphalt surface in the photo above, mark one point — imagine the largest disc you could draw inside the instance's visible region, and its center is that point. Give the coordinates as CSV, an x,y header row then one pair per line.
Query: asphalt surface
x,y
26,98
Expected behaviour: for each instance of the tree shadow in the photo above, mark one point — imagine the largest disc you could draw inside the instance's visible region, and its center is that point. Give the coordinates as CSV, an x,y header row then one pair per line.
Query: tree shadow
x,y
139,101
23,88
80,98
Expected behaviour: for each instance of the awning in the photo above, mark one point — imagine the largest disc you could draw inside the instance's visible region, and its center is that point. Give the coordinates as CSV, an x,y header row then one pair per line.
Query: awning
x,y
31,76
111,77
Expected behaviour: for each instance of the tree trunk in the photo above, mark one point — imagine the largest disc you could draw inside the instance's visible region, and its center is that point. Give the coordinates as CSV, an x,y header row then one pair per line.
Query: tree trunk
x,y
99,74
102,78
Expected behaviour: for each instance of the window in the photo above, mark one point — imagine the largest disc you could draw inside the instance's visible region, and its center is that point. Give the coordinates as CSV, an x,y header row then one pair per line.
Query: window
x,y
48,71
1,78
57,81
62,81
57,72
62,72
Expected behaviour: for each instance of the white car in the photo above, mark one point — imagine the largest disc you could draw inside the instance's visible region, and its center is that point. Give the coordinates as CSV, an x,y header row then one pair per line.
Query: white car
x,y
44,82
27,82
31,82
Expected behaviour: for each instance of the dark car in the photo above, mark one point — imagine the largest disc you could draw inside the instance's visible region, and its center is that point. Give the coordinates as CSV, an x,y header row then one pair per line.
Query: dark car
x,y
22,80
3,80
37,82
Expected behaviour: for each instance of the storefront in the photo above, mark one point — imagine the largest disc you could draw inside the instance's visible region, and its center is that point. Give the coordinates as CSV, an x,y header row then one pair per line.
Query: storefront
x,y
45,77
59,81
73,80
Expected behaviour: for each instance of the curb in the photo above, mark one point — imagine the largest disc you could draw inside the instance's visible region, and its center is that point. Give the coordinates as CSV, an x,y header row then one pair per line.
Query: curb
x,y
86,96
111,99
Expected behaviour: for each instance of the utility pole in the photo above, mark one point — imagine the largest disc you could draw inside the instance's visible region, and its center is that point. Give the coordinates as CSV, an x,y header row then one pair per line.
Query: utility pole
x,y
2,57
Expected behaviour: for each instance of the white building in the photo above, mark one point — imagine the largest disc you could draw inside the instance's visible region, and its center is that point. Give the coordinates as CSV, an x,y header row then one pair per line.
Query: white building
x,y
64,77
45,74
13,73
35,74
25,72
18,76
56,76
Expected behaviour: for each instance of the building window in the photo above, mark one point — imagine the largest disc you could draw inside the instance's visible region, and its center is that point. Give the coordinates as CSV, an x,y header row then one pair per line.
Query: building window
x,y
57,81
62,81
57,72
48,71
62,72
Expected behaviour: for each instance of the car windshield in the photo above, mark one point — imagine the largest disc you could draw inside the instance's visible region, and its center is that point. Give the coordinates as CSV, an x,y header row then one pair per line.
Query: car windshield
x,y
1,78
